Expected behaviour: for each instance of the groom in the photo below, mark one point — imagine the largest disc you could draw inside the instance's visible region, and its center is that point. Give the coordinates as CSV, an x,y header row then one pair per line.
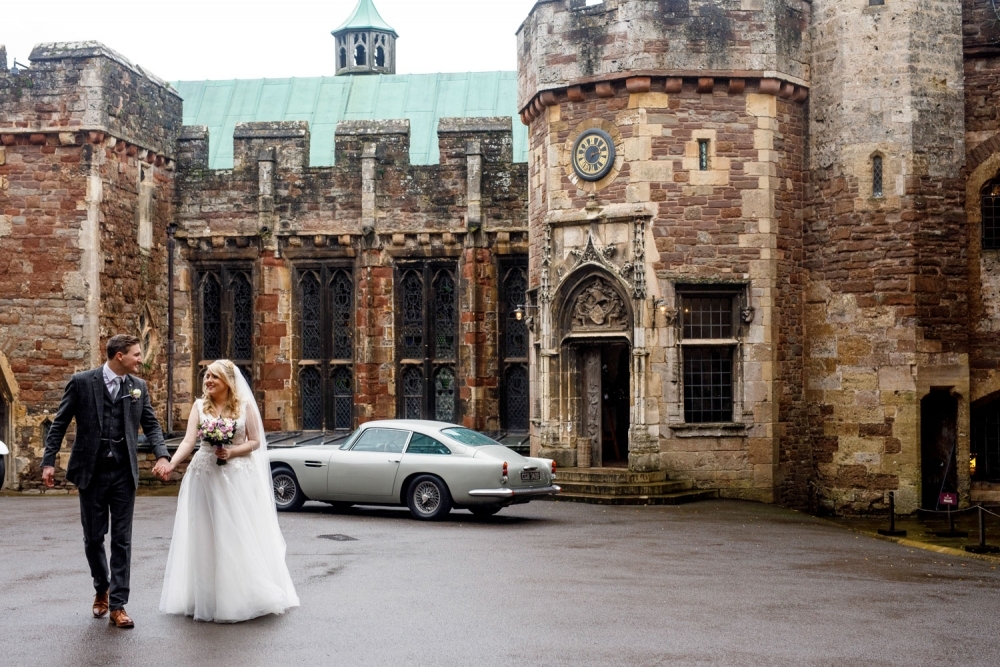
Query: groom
x,y
109,405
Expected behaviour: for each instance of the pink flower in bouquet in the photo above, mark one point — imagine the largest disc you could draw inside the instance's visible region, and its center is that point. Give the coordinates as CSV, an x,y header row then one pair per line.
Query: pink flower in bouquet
x,y
218,431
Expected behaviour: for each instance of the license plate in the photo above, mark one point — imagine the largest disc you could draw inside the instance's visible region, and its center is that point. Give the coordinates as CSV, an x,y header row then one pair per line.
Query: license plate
x,y
531,476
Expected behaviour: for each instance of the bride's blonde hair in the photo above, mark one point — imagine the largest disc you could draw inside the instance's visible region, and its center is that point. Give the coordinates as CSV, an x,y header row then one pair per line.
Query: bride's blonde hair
x,y
226,371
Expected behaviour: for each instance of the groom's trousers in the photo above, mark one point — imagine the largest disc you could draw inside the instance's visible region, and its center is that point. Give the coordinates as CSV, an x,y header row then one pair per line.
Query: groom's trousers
x,y
111,491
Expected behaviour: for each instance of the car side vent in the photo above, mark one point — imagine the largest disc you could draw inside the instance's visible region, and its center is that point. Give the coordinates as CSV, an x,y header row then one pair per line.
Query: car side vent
x,y
314,464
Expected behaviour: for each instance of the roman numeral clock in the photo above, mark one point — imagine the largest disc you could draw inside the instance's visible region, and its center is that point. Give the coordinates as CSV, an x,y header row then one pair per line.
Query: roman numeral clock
x,y
593,155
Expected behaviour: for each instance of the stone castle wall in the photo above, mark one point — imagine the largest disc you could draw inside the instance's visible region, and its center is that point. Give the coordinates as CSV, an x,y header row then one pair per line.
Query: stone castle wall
x,y
372,212
86,190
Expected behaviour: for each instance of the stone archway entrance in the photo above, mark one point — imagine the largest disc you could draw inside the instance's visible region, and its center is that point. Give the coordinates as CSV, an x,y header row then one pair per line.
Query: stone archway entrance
x,y
604,388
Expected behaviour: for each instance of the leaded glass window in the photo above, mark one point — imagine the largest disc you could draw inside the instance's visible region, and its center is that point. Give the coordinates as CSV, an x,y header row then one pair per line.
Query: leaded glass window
x,y
311,387
211,318
514,396
444,395
413,315
413,393
445,320
312,318
709,329
342,292
326,308
343,398
227,317
427,344
516,383
877,176
990,209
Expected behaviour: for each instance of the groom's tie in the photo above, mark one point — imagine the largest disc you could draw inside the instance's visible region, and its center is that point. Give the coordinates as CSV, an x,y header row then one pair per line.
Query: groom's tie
x,y
115,387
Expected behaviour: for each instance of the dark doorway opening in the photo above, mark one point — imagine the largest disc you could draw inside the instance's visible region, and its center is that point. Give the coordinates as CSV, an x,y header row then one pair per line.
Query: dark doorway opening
x,y
938,440
605,394
615,410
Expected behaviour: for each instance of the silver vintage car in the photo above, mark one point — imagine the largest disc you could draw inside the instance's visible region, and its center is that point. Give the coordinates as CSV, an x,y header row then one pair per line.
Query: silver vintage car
x,y
431,467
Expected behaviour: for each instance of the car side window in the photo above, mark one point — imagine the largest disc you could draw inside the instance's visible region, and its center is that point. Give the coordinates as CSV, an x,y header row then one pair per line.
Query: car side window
x,y
424,444
381,440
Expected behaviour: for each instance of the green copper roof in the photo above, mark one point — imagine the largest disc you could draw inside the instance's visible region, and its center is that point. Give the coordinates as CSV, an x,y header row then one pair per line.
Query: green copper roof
x,y
365,16
424,99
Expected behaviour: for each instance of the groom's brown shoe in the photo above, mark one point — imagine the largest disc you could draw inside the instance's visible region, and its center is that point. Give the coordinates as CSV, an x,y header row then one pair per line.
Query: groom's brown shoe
x,y
121,619
100,604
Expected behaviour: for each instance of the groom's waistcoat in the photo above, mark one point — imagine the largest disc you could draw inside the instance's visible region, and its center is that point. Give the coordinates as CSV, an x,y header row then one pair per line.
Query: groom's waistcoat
x,y
113,427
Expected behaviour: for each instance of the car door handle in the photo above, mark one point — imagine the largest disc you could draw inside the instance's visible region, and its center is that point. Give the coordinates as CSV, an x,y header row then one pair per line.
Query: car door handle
x,y
393,460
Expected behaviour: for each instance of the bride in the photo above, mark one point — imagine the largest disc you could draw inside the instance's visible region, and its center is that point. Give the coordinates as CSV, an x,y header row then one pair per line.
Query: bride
x,y
227,555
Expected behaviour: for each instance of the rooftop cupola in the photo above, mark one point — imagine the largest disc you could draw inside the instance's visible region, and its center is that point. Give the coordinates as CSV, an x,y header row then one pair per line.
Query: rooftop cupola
x,y
366,44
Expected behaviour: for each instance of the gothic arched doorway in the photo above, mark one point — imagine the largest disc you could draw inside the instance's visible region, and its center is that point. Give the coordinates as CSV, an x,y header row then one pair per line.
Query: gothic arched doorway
x,y
596,323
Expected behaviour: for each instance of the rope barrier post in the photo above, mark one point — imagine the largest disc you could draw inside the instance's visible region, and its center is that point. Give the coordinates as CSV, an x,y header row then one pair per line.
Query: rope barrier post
x,y
892,532
982,547
951,532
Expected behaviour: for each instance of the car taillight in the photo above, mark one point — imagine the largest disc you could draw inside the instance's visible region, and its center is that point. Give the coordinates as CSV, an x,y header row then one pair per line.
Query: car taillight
x,y
504,468
553,468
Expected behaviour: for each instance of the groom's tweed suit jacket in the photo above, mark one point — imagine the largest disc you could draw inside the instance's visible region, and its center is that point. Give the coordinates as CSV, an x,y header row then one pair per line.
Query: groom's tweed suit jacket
x,y
84,399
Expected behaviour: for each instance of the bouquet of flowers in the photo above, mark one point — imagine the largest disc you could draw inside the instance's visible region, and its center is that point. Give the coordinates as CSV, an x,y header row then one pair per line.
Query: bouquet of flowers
x,y
218,431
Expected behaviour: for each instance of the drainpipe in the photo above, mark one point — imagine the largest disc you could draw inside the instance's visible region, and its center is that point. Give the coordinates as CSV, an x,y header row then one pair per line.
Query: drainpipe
x,y
171,230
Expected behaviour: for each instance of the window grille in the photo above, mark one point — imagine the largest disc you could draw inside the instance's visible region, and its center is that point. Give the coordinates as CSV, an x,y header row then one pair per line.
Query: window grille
x,y
985,444
428,342
877,176
703,154
326,295
991,222
708,349
514,394
226,307
311,388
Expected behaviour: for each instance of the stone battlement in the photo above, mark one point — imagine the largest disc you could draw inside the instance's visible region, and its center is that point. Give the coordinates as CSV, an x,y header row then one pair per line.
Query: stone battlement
x,y
88,87
564,43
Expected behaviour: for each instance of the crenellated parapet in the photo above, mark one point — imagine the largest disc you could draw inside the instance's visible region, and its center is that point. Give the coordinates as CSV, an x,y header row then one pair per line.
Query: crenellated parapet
x,y
568,48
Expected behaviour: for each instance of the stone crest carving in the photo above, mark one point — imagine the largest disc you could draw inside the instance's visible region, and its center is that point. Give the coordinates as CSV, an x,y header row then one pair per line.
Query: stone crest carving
x,y
598,306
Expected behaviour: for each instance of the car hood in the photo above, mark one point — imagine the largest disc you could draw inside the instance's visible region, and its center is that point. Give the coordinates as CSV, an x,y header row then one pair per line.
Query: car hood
x,y
498,452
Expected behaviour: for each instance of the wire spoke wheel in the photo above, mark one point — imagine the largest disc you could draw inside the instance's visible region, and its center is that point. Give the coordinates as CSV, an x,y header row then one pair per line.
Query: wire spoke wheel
x,y
427,497
287,494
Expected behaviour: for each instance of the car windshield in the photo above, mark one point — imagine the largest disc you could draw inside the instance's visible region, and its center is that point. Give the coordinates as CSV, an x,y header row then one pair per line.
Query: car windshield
x,y
469,437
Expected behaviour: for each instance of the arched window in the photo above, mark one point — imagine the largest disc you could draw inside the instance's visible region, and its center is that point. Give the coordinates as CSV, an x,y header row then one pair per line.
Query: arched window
x,y
360,57
380,57
312,342
342,292
413,316
445,317
343,58
516,384
211,318
343,398
242,345
514,350
990,209
877,176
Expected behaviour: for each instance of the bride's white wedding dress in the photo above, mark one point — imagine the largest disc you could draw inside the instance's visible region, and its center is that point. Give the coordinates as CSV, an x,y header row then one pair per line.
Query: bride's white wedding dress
x,y
227,556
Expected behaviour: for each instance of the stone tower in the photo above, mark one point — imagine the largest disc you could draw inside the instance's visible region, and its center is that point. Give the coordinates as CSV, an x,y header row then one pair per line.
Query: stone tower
x,y
666,180
887,351
366,44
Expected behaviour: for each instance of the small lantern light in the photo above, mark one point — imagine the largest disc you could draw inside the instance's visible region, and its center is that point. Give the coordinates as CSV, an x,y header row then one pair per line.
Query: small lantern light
x,y
972,465
519,313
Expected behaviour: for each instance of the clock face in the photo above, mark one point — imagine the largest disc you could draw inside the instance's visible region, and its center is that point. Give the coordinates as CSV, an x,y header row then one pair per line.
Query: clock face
x,y
593,155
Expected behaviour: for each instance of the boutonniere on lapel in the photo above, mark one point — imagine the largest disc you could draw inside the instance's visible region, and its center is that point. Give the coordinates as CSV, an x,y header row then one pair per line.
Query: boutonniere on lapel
x,y
136,393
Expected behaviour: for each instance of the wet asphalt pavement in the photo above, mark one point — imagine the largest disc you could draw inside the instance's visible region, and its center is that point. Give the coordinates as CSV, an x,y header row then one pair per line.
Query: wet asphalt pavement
x,y
714,583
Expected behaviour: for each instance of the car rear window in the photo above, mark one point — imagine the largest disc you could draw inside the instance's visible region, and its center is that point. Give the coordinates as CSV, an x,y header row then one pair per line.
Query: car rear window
x,y
424,444
469,437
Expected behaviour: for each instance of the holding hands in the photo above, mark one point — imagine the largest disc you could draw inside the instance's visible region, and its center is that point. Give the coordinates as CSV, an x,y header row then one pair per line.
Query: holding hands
x,y
163,469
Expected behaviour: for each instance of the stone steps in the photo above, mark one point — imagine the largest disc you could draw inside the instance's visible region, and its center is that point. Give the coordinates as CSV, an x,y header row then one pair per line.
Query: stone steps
x,y
618,486
608,476
637,489
666,499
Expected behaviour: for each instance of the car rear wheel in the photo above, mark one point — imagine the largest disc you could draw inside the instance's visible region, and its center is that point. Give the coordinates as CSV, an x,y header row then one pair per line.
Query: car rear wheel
x,y
288,495
485,511
428,498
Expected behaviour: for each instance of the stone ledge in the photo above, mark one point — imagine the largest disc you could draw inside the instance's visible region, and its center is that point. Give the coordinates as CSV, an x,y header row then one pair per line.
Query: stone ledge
x,y
709,430
370,127
482,124
273,130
